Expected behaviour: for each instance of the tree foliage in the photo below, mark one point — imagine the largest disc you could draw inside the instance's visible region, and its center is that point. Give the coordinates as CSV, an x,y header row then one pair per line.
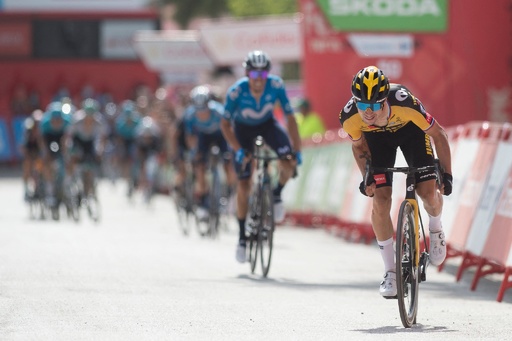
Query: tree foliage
x,y
244,8
186,10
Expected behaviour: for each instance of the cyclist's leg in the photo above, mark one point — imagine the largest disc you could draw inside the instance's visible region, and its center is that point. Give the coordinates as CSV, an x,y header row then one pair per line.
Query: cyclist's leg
x,y
203,143
418,152
28,171
276,137
383,154
245,136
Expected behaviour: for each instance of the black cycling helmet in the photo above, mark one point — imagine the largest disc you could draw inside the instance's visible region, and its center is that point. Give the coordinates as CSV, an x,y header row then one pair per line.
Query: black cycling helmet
x,y
370,85
257,59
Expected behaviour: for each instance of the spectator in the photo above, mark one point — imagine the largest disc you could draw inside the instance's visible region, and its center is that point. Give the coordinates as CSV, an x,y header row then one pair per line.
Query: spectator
x,y
20,104
309,121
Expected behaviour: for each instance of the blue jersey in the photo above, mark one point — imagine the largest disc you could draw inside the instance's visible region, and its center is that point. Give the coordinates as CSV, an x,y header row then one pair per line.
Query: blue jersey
x,y
127,128
194,125
48,129
242,107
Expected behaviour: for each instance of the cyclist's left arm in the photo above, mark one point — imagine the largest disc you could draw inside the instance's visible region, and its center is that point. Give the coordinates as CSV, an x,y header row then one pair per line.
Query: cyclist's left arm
x,y
442,146
293,131
291,123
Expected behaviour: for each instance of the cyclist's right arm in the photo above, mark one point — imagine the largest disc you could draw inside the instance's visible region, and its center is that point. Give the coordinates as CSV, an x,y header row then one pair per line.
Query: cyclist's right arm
x,y
361,155
351,123
230,108
229,134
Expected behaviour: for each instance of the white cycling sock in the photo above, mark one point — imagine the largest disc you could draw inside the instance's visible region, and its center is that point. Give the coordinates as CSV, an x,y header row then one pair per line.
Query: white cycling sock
x,y
434,223
388,254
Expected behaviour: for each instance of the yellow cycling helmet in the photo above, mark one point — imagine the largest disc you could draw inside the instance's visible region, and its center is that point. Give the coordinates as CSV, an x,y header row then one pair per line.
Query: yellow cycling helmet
x,y
370,85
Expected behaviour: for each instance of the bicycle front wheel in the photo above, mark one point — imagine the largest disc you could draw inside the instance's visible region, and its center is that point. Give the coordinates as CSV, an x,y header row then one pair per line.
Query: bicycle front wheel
x,y
407,274
266,233
214,211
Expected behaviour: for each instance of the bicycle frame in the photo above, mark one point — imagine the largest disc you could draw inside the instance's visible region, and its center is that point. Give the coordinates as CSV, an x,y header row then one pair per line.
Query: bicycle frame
x,y
410,196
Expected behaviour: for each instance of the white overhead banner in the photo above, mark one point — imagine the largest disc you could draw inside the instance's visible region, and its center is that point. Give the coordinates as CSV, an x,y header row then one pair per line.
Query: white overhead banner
x,y
229,42
166,51
382,45
71,5
116,37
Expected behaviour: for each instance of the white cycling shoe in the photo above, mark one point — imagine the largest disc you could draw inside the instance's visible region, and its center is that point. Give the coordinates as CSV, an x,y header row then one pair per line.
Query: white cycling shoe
x,y
388,285
241,255
437,251
279,212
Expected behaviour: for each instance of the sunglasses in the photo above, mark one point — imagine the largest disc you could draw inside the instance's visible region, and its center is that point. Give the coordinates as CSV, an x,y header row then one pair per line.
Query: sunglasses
x,y
374,107
255,74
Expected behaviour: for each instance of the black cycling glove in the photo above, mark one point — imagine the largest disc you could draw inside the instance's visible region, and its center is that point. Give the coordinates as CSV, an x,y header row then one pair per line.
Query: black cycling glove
x,y
362,188
448,183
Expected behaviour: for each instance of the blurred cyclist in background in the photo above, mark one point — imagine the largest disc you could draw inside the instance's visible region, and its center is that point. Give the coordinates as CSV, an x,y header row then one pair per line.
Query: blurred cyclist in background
x,y
148,142
126,127
249,112
88,134
31,148
379,118
53,131
202,128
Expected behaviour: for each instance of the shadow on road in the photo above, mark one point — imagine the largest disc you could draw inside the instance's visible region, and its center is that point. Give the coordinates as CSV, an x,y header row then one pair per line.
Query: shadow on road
x,y
417,328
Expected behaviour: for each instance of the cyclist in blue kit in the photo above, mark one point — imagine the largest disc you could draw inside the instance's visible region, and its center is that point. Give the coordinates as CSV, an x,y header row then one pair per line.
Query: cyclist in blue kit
x,y
249,112
202,130
54,126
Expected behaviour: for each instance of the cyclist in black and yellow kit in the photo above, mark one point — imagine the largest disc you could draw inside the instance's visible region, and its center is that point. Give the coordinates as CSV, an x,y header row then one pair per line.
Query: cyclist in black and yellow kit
x,y
379,118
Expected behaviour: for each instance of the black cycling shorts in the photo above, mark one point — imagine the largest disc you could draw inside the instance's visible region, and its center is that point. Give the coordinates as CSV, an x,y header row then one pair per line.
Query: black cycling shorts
x,y
415,145
273,134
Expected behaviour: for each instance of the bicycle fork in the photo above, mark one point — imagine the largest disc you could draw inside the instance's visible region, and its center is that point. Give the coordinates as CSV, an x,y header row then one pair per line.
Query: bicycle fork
x,y
420,260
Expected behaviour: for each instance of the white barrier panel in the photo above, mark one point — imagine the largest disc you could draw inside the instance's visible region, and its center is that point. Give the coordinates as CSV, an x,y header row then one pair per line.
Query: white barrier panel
x,y
462,164
481,227
499,240
476,181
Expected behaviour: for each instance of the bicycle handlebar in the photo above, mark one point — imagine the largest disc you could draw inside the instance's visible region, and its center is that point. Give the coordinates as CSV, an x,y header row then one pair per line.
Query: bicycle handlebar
x,y
369,170
267,155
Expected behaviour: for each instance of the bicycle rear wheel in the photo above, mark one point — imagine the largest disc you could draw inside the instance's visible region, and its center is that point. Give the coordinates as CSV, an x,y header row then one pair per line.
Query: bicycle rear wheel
x,y
266,233
214,202
407,274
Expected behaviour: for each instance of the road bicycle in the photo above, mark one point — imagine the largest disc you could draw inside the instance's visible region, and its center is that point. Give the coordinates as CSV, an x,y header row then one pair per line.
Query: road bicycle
x,y
217,195
261,223
85,181
183,197
411,255
37,197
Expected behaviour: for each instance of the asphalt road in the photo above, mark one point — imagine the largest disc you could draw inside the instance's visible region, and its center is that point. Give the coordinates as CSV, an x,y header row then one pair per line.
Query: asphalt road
x,y
135,276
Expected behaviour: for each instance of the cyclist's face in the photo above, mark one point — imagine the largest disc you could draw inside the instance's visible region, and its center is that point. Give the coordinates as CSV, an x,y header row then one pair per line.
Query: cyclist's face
x,y
370,116
56,122
203,114
257,80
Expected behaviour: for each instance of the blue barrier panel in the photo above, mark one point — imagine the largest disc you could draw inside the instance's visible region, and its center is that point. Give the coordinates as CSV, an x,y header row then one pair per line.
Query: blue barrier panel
x,y
18,130
5,144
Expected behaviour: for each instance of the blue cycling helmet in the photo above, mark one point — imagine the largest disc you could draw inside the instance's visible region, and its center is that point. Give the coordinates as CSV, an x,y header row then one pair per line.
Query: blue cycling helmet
x,y
55,109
